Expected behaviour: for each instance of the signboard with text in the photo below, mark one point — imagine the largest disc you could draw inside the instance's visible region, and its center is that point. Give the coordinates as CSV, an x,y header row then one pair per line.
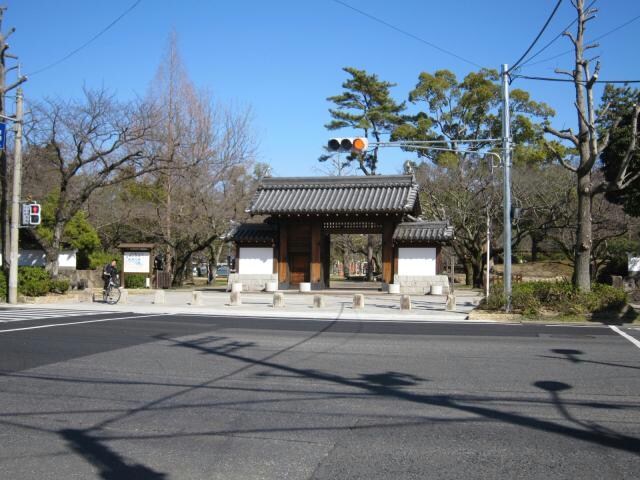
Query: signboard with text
x,y
137,262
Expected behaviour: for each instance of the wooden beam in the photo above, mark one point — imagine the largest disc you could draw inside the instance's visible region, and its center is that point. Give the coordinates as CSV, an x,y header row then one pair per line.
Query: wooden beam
x,y
283,260
316,249
387,252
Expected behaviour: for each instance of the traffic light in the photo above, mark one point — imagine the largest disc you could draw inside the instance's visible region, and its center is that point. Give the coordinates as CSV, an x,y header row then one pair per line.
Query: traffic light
x,y
354,145
34,214
31,214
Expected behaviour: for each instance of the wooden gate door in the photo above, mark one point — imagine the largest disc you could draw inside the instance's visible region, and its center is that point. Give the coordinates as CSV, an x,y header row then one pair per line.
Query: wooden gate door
x,y
300,267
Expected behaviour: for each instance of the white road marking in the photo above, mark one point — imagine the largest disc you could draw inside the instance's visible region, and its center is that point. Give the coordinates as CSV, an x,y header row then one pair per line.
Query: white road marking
x,y
8,315
635,341
80,323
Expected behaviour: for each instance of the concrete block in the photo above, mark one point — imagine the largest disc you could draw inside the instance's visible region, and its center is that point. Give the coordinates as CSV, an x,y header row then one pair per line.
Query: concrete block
x,y
271,286
616,281
394,288
196,298
358,301
124,296
236,287
451,302
236,298
405,302
305,286
318,301
436,289
278,300
158,297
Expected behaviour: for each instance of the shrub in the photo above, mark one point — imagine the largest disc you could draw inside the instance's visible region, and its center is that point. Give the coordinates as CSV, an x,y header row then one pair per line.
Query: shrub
x,y
530,298
59,286
3,286
99,259
135,280
33,281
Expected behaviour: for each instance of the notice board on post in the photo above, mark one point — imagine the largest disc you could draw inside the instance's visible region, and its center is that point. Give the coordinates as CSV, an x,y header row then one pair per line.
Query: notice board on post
x,y
136,259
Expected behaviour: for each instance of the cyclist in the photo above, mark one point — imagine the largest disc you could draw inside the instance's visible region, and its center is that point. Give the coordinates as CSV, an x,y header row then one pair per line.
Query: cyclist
x,y
110,271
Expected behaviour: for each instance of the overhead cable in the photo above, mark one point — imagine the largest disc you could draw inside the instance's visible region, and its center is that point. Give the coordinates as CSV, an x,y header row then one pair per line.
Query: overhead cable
x,y
408,34
535,40
88,42
560,34
567,80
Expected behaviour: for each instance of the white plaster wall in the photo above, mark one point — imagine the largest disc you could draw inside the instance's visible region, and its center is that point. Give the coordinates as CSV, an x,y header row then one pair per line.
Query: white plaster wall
x,y
37,258
67,259
416,261
255,261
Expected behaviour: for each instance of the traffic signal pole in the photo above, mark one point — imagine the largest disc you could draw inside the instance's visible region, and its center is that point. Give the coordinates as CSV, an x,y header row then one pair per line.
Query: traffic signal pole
x,y
15,202
506,163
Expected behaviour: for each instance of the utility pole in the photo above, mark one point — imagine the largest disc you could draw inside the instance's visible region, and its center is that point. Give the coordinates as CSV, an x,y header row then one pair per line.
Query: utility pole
x,y
506,163
15,201
4,166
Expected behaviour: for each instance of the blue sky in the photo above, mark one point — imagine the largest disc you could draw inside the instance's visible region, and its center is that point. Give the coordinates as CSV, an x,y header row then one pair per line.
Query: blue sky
x,y
283,58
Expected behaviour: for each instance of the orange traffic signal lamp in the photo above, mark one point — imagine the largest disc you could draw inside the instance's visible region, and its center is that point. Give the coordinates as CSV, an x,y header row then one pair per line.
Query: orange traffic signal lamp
x,y
354,145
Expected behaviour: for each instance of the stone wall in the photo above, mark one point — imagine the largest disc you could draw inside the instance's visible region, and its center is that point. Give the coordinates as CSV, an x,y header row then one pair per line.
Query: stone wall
x,y
81,279
421,285
251,282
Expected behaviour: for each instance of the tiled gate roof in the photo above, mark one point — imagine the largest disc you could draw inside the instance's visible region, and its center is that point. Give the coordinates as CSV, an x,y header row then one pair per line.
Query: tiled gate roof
x,y
336,195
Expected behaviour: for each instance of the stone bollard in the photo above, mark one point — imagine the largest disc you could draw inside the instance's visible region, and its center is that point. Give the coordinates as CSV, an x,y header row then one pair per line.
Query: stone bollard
x,y
278,300
196,298
158,297
318,301
236,299
617,282
405,302
124,296
394,288
358,301
236,287
451,302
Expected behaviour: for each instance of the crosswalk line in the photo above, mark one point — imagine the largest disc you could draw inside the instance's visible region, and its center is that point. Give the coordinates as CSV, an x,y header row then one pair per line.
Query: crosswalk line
x,y
9,315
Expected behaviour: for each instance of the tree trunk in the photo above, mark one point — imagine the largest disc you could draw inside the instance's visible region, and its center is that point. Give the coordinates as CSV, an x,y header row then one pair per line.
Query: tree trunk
x,y
369,258
535,246
477,266
468,272
582,278
55,248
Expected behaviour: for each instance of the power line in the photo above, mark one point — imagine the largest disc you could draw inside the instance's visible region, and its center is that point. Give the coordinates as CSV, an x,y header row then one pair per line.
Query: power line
x,y
613,30
535,40
408,34
560,34
552,79
87,43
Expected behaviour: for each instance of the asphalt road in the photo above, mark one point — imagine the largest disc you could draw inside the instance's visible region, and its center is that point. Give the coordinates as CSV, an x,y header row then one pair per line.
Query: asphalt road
x,y
192,397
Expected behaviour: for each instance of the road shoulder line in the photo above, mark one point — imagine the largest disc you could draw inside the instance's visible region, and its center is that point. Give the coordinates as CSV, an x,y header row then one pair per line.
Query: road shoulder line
x,y
625,335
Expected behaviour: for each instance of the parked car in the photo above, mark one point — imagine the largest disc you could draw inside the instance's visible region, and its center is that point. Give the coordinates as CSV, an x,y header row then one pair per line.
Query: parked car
x,y
222,271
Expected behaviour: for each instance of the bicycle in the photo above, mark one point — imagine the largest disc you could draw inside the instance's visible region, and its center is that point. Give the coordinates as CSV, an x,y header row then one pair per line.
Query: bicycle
x,y
112,294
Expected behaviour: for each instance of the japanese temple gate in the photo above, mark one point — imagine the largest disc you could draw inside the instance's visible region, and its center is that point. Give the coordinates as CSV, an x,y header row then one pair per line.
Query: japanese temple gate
x,y
292,244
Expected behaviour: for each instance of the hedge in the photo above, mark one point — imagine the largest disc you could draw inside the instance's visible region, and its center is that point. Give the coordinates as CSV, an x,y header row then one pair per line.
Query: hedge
x,y
135,280
531,298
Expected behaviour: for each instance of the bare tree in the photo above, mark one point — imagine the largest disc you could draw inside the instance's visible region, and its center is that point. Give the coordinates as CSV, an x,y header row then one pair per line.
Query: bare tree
x,y
589,142
209,149
88,145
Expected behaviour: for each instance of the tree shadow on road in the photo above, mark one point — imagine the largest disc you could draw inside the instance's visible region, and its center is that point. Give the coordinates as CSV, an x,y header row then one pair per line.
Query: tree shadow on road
x,y
111,466
382,385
